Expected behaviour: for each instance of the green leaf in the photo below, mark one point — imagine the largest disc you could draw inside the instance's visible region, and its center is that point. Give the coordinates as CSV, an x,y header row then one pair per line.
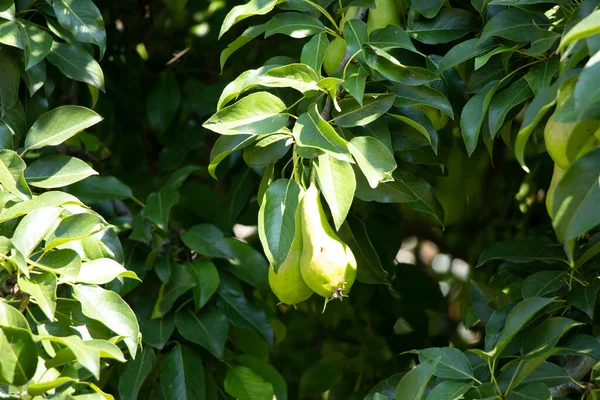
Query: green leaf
x,y
12,168
547,373
419,121
545,336
207,240
18,355
268,149
38,389
47,199
313,131
517,318
514,24
426,200
57,171
157,332
158,206
427,8
179,284
58,125
585,298
7,9
74,227
9,81
296,25
338,184
450,24
136,371
391,37
586,345
10,316
534,113
522,251
386,388
257,113
482,60
390,68
224,146
34,227
313,52
371,108
9,34
240,41
103,270
182,375
586,90
83,20
35,77
42,288
452,363
76,64
588,26
374,159
75,350
163,102
473,115
449,390
15,119
243,384
356,77
575,196
386,192
323,375
95,189
36,43
529,392
267,372
355,35
248,265
277,220
209,329
241,12
544,283
206,277
412,385
421,95
111,310
506,100
239,312
540,75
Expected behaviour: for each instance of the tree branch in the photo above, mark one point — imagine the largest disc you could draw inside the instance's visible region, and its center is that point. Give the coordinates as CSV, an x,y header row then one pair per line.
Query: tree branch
x,y
328,108
577,367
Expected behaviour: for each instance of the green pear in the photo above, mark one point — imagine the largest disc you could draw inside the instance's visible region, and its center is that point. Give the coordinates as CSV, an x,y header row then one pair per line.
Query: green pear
x,y
328,265
287,282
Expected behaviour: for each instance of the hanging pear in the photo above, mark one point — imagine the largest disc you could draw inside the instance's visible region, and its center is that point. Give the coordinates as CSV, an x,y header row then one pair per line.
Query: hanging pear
x,y
287,282
328,265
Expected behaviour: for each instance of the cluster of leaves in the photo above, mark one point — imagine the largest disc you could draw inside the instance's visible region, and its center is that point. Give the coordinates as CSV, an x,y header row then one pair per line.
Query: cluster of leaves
x,y
58,326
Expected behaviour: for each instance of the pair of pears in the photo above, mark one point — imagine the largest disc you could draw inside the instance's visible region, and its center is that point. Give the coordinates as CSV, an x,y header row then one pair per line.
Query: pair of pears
x,y
568,136
318,261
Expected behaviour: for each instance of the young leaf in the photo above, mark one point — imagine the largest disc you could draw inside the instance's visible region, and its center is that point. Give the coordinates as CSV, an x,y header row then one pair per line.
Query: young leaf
x,y
338,184
102,270
588,26
241,12
12,169
42,288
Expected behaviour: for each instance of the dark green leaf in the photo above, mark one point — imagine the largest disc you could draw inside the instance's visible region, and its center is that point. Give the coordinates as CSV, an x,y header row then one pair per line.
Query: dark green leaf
x,y
135,373
18,355
100,188
207,240
313,52
83,20
452,363
244,384
412,385
522,251
354,114
182,375
473,115
506,100
449,390
390,68
296,25
76,64
544,283
450,24
208,328
240,41
206,277
163,102
322,375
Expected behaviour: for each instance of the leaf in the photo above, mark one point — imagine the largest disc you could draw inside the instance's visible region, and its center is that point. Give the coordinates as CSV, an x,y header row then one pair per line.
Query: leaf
x,y
390,68
450,24
356,77
522,251
545,336
209,329
452,363
517,318
158,206
12,168
427,8
355,34
42,288
74,227
47,199
575,197
9,33
182,375
18,355
7,9
10,316
543,284
338,184
449,390
76,64
241,12
386,192
9,81
257,113
534,113
75,350
323,375
111,310
411,95
531,391
313,131
206,277
224,146
585,298
157,332
374,159
482,60
504,101
540,75
36,43
514,24
38,389
83,20
293,24
391,37
180,283
586,27
473,115
267,372
95,189
58,125
249,265
412,385
268,150
419,121
313,52
136,371
547,373
426,200
239,312
102,270
163,102
580,345
243,384
360,114
240,41
207,240
57,171
34,227
386,388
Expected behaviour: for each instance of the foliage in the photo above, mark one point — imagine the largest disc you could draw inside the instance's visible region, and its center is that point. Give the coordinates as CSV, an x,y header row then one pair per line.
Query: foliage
x,y
389,132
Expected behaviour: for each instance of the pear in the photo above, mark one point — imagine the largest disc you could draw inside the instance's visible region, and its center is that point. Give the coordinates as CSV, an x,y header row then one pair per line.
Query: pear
x,y
328,265
287,282
556,177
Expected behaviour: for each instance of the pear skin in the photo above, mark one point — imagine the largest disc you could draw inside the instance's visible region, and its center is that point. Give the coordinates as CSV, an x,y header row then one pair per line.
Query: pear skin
x,y
287,282
328,265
